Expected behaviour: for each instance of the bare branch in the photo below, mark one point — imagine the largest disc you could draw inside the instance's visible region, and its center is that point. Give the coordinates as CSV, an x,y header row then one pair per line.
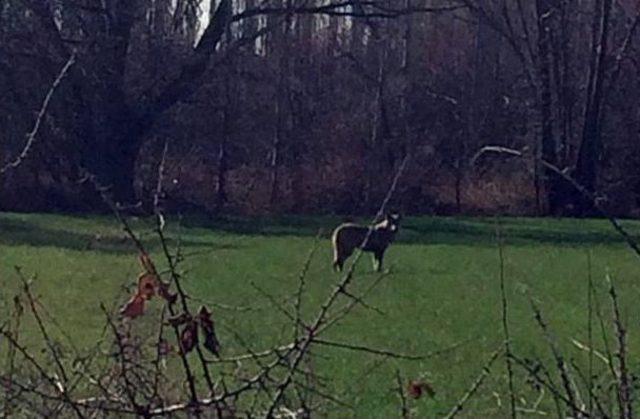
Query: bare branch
x,y
593,198
331,300
404,408
380,352
351,8
31,136
486,370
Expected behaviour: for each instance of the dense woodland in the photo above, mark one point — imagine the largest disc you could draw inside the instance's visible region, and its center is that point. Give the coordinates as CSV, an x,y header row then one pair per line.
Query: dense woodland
x,y
310,106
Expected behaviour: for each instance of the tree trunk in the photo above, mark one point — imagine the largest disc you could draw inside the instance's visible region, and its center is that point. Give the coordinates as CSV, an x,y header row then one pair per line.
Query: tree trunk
x,y
590,148
275,160
114,158
373,158
113,134
112,151
553,184
281,42
221,181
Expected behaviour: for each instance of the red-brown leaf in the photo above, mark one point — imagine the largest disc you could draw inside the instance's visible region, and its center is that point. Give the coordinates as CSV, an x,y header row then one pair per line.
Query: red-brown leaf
x,y
163,291
134,307
210,339
147,284
189,337
147,264
417,388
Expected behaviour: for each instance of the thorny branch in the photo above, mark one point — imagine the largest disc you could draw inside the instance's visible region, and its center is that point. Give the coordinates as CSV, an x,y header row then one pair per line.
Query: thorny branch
x,y
331,300
486,370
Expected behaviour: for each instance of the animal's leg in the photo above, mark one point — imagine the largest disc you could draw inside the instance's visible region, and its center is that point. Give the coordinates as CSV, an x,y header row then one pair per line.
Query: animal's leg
x,y
377,260
338,258
341,257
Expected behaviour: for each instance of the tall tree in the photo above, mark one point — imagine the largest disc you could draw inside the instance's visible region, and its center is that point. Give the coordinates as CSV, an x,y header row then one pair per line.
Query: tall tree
x,y
546,13
114,125
589,153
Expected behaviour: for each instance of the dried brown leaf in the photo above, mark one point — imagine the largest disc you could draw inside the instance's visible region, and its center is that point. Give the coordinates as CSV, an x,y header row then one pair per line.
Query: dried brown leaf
x,y
189,337
208,328
147,284
147,264
416,389
163,291
134,307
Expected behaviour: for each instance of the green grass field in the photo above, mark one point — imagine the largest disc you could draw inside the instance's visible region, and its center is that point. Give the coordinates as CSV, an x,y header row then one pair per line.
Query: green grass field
x,y
442,290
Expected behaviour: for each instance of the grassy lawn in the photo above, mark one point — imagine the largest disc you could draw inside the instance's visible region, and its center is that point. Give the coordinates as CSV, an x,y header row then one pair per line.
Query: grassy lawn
x,y
442,291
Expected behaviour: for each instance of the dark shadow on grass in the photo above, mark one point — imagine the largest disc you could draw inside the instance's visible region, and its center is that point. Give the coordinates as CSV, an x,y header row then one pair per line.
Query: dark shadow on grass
x,y
432,230
422,230
15,232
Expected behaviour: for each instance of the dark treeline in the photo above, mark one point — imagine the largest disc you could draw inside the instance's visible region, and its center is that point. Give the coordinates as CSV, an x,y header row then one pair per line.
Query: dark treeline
x,y
311,105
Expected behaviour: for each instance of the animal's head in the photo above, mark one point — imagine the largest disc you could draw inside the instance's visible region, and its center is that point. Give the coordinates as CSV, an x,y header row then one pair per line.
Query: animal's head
x,y
392,220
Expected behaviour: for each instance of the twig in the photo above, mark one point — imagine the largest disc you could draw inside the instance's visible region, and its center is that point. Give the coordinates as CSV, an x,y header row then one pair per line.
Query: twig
x,y
324,309
159,353
13,326
380,352
557,394
182,296
351,304
590,291
249,384
593,397
623,380
275,303
486,370
106,197
592,352
124,364
302,284
605,340
244,357
41,326
595,200
560,363
31,136
404,408
505,324
43,373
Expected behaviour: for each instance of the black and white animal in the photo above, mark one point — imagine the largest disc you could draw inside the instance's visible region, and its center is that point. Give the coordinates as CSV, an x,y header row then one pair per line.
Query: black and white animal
x,y
349,236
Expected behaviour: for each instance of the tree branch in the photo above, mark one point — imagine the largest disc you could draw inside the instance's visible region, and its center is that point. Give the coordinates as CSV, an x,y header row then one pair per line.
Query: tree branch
x,y
31,136
186,83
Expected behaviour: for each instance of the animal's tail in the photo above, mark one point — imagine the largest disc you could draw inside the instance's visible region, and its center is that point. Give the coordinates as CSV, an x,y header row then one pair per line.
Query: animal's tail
x,y
337,260
336,266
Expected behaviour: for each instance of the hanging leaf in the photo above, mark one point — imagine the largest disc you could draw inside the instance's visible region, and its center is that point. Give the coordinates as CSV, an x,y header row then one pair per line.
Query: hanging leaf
x,y
163,291
147,284
189,337
147,264
212,344
417,388
210,339
134,307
